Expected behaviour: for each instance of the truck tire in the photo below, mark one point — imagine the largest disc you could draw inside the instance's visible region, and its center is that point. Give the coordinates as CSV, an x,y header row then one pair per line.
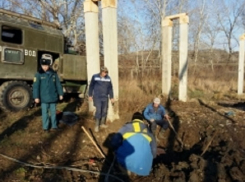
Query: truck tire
x,y
15,96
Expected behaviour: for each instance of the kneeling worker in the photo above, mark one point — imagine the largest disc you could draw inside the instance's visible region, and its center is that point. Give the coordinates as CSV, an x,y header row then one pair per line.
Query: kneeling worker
x,y
135,146
155,114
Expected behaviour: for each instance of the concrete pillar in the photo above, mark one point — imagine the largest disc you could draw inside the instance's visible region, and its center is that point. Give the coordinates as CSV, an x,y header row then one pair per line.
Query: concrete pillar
x,y
109,17
183,57
241,65
92,41
166,55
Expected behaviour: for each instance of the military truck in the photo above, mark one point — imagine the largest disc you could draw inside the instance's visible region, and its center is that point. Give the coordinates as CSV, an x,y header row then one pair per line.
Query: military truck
x,y
23,41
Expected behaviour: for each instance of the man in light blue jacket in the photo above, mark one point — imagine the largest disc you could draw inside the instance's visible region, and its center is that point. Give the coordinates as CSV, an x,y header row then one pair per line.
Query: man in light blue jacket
x,y
155,114
135,146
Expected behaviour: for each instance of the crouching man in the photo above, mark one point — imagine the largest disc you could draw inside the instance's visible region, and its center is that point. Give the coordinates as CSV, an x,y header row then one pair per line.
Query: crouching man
x,y
156,115
135,146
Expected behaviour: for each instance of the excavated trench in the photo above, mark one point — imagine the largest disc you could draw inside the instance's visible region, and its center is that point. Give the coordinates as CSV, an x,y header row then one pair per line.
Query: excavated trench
x,y
216,157
210,147
221,161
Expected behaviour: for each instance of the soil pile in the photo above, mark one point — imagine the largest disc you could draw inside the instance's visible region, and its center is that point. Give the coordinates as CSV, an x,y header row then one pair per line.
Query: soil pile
x,y
208,147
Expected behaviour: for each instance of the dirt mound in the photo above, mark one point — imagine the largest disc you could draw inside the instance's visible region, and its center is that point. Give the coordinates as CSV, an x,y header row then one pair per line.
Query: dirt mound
x,y
210,147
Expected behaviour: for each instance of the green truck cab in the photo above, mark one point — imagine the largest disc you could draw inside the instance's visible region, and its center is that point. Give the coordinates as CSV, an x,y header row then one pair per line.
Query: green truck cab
x,y
23,40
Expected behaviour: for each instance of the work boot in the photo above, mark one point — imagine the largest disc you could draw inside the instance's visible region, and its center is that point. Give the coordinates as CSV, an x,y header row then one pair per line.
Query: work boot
x,y
97,123
96,129
45,130
54,129
102,123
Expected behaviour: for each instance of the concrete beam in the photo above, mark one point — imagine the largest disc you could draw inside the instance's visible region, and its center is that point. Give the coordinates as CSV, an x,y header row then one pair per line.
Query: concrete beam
x,y
241,65
92,41
172,17
166,56
90,6
183,61
109,18
109,3
242,37
184,19
167,23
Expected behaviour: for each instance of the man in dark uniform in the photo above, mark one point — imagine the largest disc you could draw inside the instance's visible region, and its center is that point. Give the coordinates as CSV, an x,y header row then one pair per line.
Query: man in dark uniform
x,y
47,89
100,90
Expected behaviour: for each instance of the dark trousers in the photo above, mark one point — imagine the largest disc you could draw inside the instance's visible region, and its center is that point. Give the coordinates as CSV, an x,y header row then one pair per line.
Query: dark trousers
x,y
101,108
162,123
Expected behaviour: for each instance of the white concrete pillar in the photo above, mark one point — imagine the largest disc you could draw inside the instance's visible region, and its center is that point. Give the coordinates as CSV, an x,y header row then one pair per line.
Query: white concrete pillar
x,y
241,65
109,17
166,55
183,57
92,41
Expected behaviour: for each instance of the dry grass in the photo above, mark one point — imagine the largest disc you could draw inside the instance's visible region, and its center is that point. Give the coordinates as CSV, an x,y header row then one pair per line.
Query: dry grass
x,y
205,83
136,94
218,84
212,86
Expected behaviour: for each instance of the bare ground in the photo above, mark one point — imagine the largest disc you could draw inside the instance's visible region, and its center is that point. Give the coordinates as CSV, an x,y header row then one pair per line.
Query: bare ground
x,y
209,147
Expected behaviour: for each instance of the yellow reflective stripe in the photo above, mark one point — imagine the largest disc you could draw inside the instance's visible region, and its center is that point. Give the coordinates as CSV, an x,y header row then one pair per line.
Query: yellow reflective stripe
x,y
136,127
147,137
128,135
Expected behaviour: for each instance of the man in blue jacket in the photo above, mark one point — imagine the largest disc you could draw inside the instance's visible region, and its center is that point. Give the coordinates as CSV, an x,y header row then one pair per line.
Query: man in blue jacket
x,y
135,146
100,90
155,114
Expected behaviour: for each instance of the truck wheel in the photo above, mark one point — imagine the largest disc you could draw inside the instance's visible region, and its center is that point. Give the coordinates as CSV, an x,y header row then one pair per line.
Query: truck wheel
x,y
15,96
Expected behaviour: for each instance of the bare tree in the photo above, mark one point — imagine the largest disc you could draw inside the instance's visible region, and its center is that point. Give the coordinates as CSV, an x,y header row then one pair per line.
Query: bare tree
x,y
67,14
199,18
228,16
209,39
139,33
147,16
126,38
210,34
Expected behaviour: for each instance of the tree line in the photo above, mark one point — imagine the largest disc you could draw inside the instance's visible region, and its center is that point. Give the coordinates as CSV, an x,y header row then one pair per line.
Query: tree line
x,y
213,24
